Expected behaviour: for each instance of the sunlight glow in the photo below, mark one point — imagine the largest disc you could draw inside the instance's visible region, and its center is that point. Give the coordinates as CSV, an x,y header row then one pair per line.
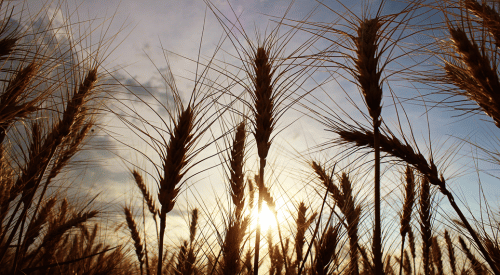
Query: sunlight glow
x,y
267,219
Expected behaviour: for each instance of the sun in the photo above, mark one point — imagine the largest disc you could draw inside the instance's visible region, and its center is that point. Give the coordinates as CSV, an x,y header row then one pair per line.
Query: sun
x,y
267,219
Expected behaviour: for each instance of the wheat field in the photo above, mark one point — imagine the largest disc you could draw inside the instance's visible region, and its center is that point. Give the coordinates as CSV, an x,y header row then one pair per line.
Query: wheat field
x,y
219,183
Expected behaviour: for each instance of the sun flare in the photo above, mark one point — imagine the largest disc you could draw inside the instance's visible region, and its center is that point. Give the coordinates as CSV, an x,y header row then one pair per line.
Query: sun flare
x,y
267,219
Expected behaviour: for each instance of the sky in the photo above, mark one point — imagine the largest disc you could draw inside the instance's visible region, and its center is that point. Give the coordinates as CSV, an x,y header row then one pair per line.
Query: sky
x,y
149,31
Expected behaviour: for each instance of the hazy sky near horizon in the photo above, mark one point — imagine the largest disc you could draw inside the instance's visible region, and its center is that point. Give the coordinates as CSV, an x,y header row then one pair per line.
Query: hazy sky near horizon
x,y
147,28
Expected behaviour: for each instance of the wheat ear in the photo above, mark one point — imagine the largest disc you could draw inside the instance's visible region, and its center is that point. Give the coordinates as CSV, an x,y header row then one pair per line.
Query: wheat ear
x,y
188,266
477,266
148,198
493,249
236,169
388,270
403,151
451,252
425,223
326,251
248,263
42,152
437,256
411,239
146,195
407,209
35,226
407,263
232,247
302,223
272,256
173,170
352,214
132,226
264,124
7,46
368,77
345,201
11,107
490,17
479,68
